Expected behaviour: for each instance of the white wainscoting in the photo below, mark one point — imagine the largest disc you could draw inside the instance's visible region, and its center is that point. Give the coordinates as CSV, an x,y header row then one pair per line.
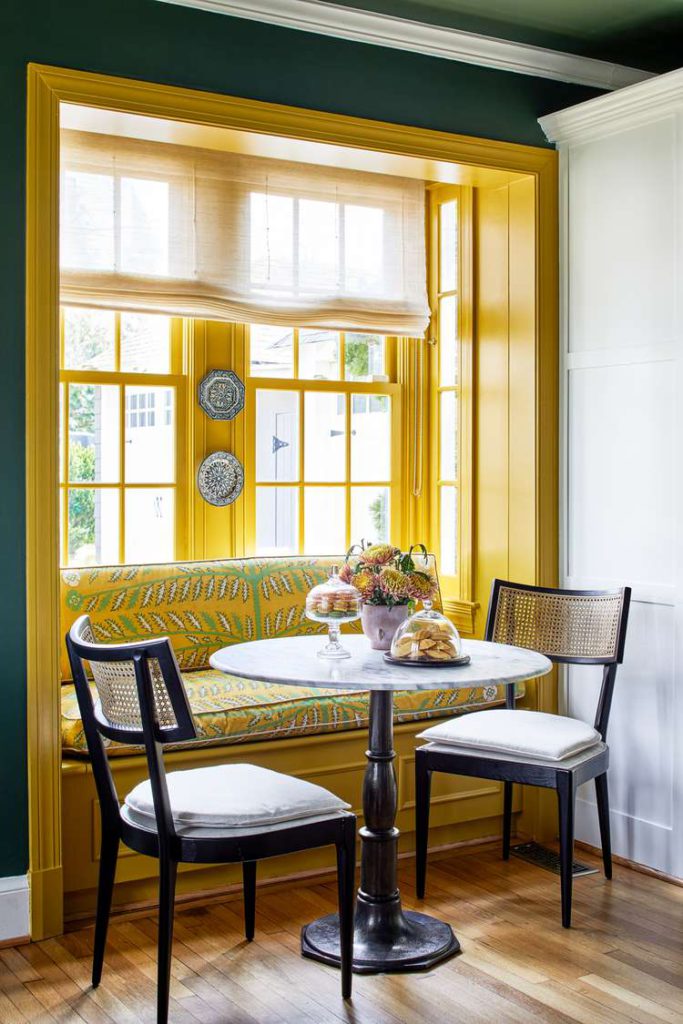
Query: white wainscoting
x,y
622,441
14,908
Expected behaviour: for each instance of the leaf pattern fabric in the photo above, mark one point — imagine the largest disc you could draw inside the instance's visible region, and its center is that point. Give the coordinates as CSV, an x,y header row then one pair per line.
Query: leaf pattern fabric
x,y
203,606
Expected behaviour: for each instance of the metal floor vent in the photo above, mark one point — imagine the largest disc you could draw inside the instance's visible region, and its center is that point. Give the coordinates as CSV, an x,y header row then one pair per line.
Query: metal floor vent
x,y
548,859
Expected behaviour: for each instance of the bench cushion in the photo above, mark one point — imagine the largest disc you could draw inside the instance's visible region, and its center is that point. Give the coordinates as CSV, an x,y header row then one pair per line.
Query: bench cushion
x,y
228,710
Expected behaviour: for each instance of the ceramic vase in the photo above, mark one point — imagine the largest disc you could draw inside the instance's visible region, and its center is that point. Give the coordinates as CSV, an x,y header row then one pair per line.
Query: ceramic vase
x,y
380,623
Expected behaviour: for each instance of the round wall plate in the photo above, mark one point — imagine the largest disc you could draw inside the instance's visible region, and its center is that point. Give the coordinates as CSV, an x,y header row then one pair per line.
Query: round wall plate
x,y
221,394
220,478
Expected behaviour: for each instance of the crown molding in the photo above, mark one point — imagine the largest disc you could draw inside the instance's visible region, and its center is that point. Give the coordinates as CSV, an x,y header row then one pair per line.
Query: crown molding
x,y
627,108
435,41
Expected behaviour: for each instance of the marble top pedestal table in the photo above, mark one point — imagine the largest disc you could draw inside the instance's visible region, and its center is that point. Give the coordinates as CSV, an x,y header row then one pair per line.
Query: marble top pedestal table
x,y
387,938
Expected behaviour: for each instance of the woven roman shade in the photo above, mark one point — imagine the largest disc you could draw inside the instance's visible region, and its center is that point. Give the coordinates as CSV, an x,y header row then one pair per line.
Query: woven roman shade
x,y
152,227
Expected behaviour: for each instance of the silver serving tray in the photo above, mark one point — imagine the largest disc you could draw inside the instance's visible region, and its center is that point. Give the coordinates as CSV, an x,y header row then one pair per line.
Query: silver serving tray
x,y
464,659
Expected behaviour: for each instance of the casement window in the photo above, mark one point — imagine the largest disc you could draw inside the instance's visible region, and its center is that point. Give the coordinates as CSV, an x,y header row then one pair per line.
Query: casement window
x,y
450,387
322,440
122,402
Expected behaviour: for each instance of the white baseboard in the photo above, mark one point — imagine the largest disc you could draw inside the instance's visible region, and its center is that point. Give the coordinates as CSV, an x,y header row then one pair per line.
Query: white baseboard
x,y
14,908
635,839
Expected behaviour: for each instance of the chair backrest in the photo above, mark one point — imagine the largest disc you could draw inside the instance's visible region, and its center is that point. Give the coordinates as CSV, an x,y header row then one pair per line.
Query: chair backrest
x,y
576,627
571,626
140,700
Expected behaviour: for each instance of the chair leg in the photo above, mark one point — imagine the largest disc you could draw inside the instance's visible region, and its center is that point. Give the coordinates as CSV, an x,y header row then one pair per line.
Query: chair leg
x,y
346,878
603,818
249,890
507,818
565,800
423,788
108,856
167,879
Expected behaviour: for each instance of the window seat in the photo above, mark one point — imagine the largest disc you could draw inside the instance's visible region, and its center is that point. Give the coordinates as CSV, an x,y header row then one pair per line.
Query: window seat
x,y
206,605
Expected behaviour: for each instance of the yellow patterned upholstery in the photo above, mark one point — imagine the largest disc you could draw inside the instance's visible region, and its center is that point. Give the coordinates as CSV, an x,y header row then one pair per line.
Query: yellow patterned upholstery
x,y
203,606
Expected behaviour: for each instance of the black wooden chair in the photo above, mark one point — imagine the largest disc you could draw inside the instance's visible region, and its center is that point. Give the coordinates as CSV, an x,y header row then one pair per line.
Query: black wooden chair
x,y
200,816
573,627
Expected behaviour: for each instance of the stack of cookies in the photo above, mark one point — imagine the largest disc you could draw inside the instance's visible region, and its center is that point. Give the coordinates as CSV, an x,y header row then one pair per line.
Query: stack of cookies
x,y
325,603
433,641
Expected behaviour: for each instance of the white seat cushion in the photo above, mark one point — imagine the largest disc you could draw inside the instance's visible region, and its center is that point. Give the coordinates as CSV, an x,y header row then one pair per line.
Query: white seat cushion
x,y
531,733
228,796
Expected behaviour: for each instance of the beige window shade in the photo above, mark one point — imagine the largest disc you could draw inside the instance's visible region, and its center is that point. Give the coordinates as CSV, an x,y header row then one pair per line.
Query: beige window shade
x,y
190,232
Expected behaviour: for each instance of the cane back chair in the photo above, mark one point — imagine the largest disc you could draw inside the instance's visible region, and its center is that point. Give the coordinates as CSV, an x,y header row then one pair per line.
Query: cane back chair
x,y
141,700
573,627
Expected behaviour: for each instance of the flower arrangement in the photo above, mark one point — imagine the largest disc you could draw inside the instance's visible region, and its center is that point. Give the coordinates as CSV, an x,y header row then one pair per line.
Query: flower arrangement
x,y
385,576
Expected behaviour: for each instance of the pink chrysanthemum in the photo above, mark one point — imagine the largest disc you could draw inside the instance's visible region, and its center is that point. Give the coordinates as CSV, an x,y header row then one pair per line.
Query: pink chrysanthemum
x,y
420,586
379,554
346,573
364,581
393,584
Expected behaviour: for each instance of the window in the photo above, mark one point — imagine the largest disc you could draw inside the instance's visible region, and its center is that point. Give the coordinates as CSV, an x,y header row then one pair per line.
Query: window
x,y
450,387
121,399
322,440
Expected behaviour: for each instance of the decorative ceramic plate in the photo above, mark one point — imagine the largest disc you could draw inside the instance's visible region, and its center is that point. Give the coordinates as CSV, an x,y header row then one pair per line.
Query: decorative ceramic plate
x,y
220,478
464,659
221,394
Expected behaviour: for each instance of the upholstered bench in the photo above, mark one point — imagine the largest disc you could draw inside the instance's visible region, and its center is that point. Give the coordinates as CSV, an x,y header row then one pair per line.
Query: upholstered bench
x,y
202,606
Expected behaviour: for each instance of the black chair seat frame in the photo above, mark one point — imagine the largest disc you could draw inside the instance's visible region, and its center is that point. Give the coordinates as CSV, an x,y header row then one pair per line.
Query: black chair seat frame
x,y
165,844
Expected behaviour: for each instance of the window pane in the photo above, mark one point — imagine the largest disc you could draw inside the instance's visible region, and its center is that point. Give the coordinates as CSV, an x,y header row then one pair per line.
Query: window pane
x,y
272,240
448,512
144,226
449,435
318,243
277,435
93,528
149,524
448,218
319,355
61,433
448,341
364,249
150,434
277,520
145,343
370,514
89,339
271,351
325,436
363,356
324,521
87,219
371,439
93,433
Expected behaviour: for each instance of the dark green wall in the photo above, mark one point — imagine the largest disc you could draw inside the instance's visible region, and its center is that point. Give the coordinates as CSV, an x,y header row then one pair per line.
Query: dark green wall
x,y
163,43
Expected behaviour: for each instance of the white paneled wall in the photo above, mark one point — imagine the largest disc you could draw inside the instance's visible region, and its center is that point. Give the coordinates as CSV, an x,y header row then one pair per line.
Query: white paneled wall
x,y
621,503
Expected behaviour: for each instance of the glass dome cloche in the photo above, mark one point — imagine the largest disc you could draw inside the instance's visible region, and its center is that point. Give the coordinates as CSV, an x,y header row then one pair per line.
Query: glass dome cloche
x,y
427,638
333,602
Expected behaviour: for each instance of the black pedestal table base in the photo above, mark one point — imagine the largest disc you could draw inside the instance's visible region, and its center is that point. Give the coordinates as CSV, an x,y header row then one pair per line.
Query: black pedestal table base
x,y
386,938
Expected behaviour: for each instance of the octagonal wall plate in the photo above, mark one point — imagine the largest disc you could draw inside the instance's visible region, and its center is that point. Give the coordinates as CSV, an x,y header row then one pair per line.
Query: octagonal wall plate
x,y
220,478
221,394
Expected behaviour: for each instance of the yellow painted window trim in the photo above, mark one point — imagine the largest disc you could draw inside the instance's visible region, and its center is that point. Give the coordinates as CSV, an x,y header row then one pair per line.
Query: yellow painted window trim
x,y
48,87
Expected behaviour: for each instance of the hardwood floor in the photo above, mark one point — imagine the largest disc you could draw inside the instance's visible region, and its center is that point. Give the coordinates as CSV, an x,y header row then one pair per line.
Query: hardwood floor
x,y
621,962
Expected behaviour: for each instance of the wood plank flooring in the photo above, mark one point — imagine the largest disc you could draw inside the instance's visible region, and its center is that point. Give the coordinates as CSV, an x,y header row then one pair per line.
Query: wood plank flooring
x,y
621,963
